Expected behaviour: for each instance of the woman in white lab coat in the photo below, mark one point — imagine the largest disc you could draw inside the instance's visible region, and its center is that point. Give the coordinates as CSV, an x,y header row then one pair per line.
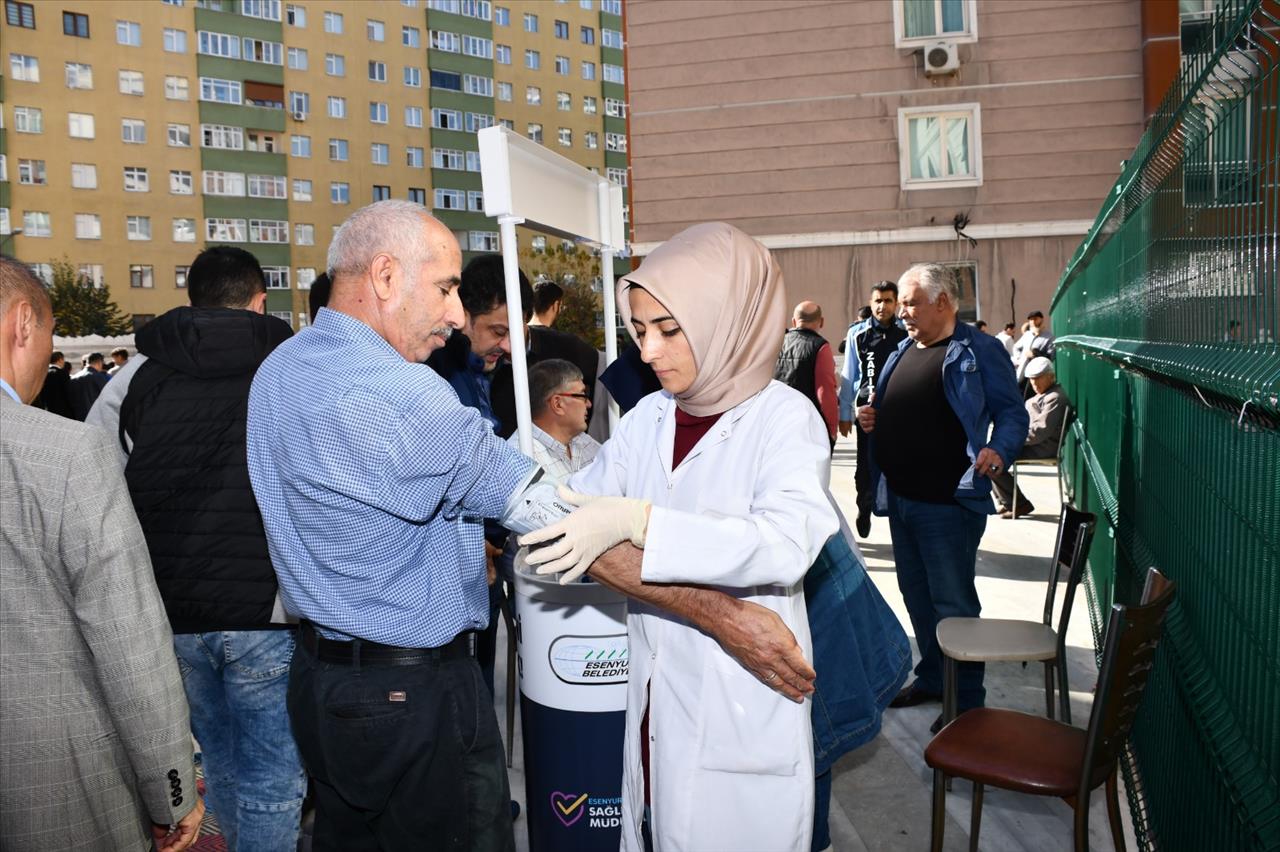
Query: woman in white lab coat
x,y
724,473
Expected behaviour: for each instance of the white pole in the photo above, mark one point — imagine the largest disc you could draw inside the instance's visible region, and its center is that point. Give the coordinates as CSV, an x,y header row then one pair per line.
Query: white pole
x,y
515,324
610,298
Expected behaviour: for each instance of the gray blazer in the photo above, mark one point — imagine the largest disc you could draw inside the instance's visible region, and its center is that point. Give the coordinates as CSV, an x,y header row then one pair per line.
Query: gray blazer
x,y
95,741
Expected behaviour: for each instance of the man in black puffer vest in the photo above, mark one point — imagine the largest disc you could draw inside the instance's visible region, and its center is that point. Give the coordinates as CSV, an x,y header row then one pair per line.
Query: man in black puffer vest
x,y
806,364
179,412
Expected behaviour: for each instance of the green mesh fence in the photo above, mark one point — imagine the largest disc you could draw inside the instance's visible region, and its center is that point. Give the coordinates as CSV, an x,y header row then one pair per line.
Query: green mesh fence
x,y
1168,322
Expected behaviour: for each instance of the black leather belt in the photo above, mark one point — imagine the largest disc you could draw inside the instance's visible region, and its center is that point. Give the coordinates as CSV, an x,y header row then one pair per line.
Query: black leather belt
x,y
363,651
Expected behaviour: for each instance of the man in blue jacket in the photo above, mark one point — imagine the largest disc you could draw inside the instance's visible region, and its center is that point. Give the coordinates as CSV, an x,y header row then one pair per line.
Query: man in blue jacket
x,y
931,462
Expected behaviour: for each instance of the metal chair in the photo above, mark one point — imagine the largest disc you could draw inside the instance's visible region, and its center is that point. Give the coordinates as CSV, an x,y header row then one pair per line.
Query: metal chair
x,y
1030,754
992,640
1055,459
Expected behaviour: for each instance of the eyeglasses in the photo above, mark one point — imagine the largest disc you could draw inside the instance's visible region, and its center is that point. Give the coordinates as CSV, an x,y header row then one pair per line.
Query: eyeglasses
x,y
581,396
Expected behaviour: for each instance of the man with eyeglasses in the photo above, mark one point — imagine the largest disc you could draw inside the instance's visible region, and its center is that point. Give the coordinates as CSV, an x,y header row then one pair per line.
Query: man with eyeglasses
x,y
559,406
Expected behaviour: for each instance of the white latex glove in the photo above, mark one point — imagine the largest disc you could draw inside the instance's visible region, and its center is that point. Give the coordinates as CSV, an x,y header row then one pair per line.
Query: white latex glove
x,y
597,525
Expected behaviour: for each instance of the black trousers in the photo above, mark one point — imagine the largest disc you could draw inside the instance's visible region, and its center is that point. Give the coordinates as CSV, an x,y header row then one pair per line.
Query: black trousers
x,y
403,757
862,473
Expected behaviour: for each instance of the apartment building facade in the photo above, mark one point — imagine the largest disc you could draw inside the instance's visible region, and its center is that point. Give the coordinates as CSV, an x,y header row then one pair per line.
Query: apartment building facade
x,y
858,138
134,134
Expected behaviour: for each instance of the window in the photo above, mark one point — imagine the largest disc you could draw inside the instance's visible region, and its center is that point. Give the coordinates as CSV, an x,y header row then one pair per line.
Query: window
x,y
532,60
32,172
177,88
413,116
611,7
138,227
534,132
940,147
301,189
476,46
130,82
175,41
587,35
184,231
92,272
141,275
585,4
222,136
268,231
507,123
262,141
338,150
37,223
4,221
446,119
615,142
224,230
482,241
75,25
217,44
79,125
588,70
417,195
564,136
333,23
84,176
538,243
588,105
377,71
31,120
180,276
179,135
277,276
921,21
267,52
375,30
473,161
615,107
381,193
267,186
335,65
613,73
306,277
222,91
610,38
23,67
379,153
477,121
412,77
562,65
446,158
79,76
129,33
298,58
19,14
300,146
222,183
530,22
295,16
450,199
532,95
136,179
618,176
474,84
564,101
1218,160
180,182
562,29
340,192
378,112
447,42
591,140
415,157
450,80
300,103
337,107
475,9
502,54
501,16
475,201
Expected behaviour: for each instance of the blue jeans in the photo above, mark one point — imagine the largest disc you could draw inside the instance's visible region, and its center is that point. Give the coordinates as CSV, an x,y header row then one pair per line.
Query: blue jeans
x,y
935,549
237,683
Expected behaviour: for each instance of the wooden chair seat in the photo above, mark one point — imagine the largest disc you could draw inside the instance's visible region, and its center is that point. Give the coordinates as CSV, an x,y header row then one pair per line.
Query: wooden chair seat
x,y
996,639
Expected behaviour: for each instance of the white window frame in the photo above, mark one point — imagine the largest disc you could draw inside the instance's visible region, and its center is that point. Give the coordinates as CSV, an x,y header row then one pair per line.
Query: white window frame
x,y
302,189
477,46
79,75
175,40
129,30
969,36
336,106
210,86
482,241
81,119
88,226
177,88
335,65
413,116
37,223
412,76
181,182
380,153
84,176
415,157
410,37
379,112
445,41
504,91
377,71
269,231
176,133
295,16
140,177
143,274
375,30
210,43
475,84
24,67
449,199
137,228
339,187
25,118
277,277
223,230
306,277
133,131
131,82
447,158
267,186
298,58
297,144
225,184
229,133
333,23
267,10
439,116
183,229
971,111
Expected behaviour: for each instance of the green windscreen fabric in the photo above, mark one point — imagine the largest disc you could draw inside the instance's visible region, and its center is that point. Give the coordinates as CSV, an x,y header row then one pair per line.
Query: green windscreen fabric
x,y
1168,320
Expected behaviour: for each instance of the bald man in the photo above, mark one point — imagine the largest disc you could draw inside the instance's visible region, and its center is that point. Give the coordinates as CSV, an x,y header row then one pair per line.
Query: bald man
x,y
806,363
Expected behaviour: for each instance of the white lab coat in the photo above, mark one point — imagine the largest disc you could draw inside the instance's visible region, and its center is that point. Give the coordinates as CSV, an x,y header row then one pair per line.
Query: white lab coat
x,y
731,761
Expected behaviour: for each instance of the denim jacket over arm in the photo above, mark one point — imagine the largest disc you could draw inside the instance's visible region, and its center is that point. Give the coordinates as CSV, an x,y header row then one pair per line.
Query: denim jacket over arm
x,y
982,389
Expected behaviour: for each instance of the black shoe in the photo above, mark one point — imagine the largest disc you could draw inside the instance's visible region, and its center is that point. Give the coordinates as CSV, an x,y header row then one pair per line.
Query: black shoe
x,y
910,696
863,524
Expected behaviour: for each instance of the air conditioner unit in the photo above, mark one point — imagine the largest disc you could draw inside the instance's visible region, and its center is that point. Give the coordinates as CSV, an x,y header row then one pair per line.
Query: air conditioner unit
x,y
299,116
941,57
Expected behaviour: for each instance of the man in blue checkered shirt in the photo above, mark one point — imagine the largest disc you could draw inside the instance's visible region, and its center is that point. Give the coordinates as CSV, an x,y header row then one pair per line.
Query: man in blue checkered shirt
x,y
374,481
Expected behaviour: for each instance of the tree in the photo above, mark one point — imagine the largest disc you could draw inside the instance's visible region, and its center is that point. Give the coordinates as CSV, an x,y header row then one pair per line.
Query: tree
x,y
576,271
80,308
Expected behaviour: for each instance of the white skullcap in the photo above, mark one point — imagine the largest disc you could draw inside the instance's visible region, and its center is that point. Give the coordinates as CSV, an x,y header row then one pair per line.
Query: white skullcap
x,y
1038,367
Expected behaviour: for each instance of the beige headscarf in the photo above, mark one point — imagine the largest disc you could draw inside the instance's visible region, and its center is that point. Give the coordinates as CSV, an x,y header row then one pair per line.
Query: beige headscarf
x,y
725,291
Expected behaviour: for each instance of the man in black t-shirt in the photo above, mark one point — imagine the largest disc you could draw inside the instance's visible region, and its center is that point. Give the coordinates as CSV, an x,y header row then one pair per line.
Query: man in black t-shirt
x,y
931,463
